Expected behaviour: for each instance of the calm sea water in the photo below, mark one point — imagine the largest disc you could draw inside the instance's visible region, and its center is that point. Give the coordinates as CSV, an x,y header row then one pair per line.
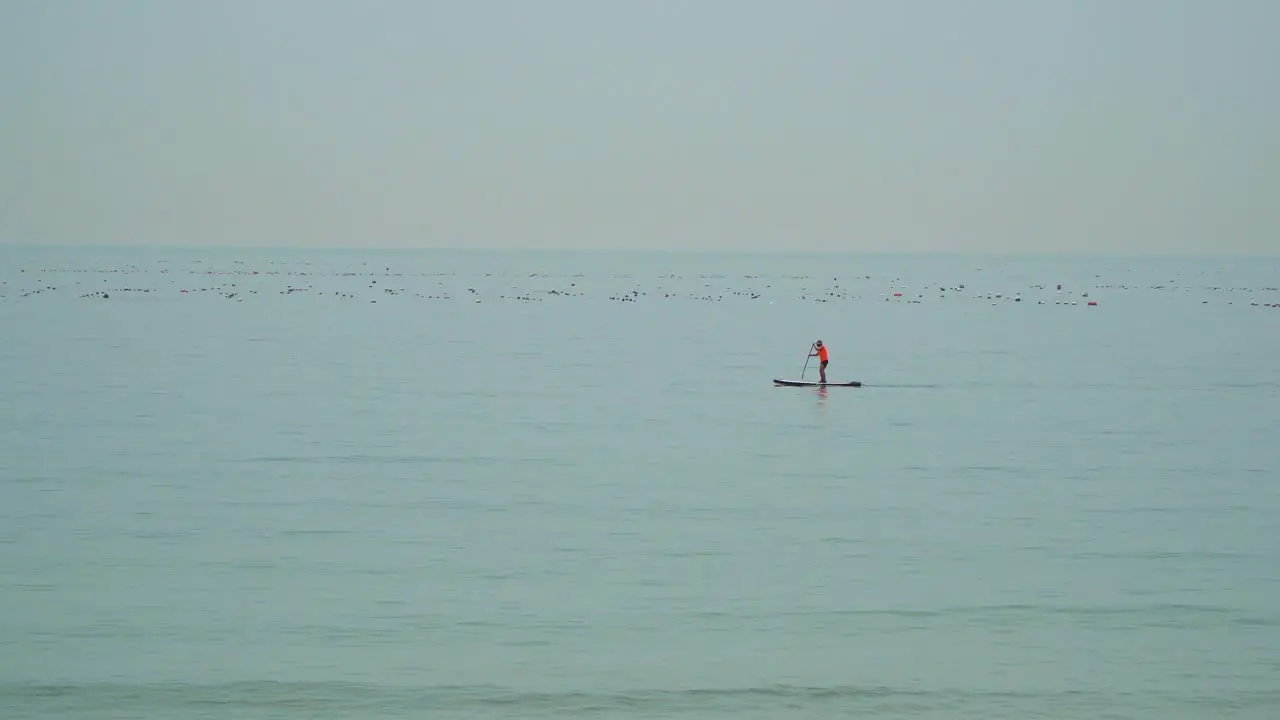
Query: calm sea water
x,y
358,484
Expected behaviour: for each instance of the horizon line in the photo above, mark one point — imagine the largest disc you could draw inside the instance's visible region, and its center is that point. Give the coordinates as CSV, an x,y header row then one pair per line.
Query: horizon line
x,y
1189,255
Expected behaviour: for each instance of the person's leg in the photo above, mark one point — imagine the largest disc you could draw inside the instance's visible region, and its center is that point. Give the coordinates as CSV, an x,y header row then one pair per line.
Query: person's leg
x,y
822,372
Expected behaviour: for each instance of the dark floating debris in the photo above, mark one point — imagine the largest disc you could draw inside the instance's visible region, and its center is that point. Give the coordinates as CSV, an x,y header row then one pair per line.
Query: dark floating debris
x,y
237,280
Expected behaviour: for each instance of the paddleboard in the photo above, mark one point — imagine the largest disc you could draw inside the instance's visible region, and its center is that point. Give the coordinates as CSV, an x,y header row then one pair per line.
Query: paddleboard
x,y
806,383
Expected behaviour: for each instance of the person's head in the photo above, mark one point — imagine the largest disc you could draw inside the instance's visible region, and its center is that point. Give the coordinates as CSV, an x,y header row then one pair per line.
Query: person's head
x,y
818,344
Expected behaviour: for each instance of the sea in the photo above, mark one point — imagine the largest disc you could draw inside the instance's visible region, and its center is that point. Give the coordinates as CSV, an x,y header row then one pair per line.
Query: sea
x,y
277,484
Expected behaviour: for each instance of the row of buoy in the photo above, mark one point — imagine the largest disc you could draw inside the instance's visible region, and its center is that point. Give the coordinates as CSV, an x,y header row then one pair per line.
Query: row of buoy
x,y
1016,298
895,291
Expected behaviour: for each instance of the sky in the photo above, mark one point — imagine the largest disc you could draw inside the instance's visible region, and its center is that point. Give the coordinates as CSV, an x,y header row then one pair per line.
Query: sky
x,y
1122,126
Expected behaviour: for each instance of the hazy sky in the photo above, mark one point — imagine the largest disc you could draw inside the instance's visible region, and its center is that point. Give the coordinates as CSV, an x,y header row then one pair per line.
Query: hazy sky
x,y
1134,126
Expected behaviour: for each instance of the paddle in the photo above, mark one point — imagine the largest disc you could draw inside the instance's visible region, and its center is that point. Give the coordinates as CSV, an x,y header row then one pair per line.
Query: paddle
x,y
807,355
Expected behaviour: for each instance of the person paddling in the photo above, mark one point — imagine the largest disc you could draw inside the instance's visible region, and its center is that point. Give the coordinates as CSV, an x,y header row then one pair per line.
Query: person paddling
x,y
820,351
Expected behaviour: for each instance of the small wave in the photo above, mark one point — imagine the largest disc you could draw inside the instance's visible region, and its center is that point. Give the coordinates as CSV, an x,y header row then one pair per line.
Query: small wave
x,y
334,699
1170,615
361,459
303,699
